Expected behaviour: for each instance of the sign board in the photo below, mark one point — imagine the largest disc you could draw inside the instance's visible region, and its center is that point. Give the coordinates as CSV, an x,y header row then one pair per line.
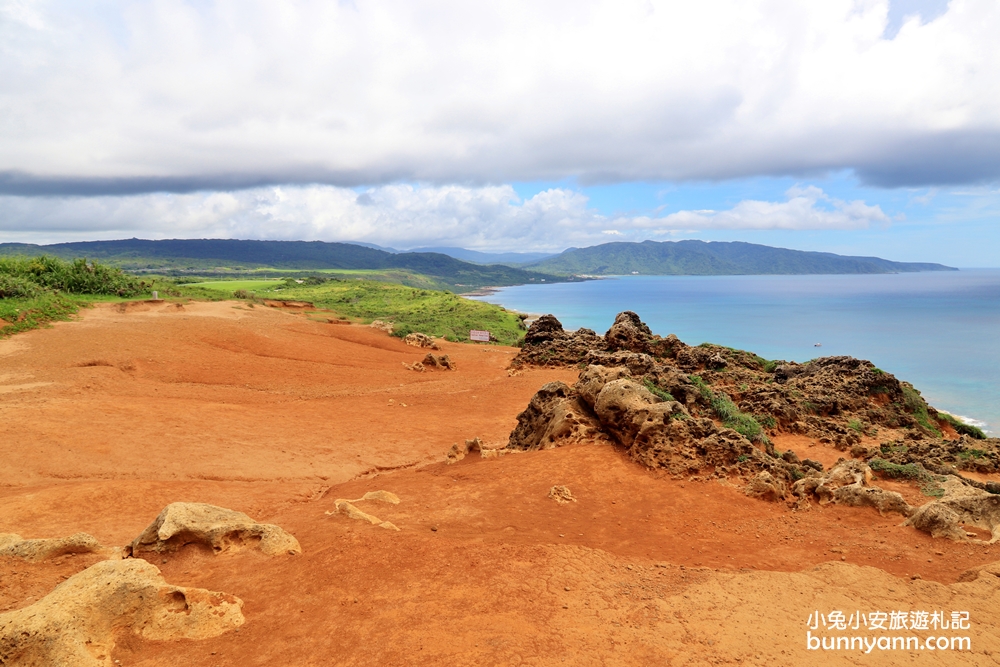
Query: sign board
x,y
481,336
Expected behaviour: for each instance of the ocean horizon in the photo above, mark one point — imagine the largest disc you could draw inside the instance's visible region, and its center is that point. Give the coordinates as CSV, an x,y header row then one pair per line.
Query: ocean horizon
x,y
936,330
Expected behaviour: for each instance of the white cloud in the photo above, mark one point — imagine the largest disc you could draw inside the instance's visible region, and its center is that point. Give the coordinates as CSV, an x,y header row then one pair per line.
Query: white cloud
x,y
806,208
122,97
485,218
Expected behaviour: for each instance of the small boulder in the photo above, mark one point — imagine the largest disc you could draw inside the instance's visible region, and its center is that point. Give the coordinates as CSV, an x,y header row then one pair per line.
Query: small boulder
x,y
36,550
420,340
221,529
561,494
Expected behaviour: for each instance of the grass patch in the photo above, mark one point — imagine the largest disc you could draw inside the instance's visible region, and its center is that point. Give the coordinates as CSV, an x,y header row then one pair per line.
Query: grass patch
x,y
962,427
856,425
899,471
767,421
972,454
656,391
230,286
730,415
917,406
17,315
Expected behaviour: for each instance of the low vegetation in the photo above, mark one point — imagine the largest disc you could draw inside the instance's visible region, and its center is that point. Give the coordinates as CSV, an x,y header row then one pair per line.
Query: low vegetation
x,y
727,411
961,427
38,290
409,309
917,406
35,291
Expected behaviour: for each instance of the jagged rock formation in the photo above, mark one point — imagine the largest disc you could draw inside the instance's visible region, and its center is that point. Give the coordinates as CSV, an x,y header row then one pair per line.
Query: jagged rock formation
x,y
432,362
708,410
547,344
420,340
220,529
14,546
555,416
77,623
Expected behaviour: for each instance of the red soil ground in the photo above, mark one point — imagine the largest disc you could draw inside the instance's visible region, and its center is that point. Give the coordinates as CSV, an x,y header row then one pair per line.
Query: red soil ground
x,y
109,418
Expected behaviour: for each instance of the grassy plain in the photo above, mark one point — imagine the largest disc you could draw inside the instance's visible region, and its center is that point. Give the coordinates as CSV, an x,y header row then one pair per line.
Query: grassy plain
x,y
410,309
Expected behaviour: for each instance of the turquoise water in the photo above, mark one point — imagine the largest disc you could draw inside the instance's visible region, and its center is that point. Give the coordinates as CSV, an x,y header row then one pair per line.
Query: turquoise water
x,y
940,330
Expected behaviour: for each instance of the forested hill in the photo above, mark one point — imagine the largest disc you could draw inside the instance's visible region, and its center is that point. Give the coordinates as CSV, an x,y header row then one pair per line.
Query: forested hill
x,y
202,255
703,258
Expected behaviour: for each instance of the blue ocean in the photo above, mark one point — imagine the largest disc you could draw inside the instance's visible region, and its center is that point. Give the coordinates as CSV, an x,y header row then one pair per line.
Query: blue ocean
x,y
937,330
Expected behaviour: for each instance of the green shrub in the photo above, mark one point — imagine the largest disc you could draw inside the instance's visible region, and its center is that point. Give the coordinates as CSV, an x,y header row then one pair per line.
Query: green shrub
x,y
76,277
916,406
770,366
856,425
18,287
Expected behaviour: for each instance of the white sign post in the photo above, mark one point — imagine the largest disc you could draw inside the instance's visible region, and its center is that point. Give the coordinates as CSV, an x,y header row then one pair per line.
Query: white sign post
x,y
481,336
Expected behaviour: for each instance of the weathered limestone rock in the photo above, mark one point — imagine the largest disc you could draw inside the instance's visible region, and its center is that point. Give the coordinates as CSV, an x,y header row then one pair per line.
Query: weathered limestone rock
x,y
561,494
75,625
15,546
849,483
555,416
218,528
420,340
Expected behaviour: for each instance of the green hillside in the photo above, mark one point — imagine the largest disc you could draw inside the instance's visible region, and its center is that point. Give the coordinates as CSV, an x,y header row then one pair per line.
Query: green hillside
x,y
713,258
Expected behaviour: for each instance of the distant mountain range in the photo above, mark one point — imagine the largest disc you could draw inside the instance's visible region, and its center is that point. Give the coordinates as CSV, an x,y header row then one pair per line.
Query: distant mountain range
x,y
701,258
204,256
474,256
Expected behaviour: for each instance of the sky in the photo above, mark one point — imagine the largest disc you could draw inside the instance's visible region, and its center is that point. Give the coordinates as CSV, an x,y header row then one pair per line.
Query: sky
x,y
863,127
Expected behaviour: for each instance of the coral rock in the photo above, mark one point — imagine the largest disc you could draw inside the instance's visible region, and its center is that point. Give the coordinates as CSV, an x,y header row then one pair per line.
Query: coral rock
x,y
220,529
77,623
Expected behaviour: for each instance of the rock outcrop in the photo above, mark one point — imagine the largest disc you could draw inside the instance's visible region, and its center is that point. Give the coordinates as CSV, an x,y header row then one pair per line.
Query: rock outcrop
x,y
961,506
547,344
555,416
77,623
710,409
420,340
217,528
14,546
849,483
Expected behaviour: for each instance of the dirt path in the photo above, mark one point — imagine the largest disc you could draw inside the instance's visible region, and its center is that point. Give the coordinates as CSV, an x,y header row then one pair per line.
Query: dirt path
x,y
108,419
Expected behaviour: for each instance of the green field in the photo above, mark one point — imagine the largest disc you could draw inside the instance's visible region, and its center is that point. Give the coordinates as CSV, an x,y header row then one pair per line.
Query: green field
x,y
230,286
410,309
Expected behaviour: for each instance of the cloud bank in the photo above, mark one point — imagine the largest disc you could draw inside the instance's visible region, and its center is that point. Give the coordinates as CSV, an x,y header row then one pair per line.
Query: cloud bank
x,y
125,97
403,216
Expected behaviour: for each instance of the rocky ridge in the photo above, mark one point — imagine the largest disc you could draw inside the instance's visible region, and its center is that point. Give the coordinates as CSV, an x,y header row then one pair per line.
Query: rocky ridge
x,y
709,411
